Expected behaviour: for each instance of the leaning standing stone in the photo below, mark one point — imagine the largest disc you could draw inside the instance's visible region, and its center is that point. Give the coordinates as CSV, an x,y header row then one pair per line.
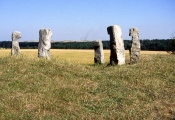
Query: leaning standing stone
x,y
44,43
117,55
15,44
98,50
135,47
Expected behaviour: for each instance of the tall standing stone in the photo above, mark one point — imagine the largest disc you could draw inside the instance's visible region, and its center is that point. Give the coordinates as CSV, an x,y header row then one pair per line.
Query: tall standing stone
x,y
117,55
15,43
135,47
44,43
98,50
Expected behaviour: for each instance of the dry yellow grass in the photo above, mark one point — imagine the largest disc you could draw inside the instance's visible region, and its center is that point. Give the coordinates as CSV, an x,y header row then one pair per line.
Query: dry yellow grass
x,y
154,52
73,55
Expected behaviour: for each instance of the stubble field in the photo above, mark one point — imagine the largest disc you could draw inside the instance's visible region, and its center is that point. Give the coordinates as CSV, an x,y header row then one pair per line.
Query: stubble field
x,y
71,86
74,55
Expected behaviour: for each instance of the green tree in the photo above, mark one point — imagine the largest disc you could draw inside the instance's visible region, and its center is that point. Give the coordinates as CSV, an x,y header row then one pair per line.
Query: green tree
x,y
172,42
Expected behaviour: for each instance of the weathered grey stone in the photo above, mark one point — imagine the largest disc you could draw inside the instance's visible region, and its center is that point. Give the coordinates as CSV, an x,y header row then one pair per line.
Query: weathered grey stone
x,y
135,47
44,43
98,50
117,55
15,44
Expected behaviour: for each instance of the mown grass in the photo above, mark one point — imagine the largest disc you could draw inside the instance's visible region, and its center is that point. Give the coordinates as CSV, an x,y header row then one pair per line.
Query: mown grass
x,y
70,86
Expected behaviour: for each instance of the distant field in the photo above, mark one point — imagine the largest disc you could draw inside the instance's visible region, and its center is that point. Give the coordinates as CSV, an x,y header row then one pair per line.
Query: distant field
x,y
74,55
70,86
81,50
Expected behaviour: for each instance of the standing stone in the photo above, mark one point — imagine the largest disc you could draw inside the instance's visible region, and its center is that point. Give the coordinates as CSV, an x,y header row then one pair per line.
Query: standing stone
x,y
44,43
135,47
98,50
15,44
116,45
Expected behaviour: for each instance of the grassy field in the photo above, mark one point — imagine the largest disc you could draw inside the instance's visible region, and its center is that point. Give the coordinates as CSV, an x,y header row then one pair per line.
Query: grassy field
x,y
75,56
71,86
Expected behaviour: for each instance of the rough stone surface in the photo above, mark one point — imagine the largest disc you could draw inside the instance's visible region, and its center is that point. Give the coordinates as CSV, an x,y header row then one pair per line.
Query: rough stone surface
x,y
44,43
117,55
98,50
15,44
135,47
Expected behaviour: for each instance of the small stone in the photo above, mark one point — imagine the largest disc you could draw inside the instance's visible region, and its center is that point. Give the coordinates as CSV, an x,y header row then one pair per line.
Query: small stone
x,y
117,55
15,44
44,43
98,50
135,46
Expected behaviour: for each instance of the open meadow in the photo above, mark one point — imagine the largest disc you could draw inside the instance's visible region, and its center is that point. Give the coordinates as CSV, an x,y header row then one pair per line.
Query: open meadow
x,y
71,86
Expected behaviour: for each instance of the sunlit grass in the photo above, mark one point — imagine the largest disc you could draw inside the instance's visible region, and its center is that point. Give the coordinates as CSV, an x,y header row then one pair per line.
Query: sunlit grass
x,y
75,56
71,86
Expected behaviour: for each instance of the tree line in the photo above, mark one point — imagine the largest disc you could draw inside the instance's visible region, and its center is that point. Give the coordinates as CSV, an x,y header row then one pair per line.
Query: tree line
x,y
153,45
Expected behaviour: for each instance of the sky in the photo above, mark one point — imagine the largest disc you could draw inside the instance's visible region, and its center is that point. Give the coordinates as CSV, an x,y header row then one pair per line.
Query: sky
x,y
86,19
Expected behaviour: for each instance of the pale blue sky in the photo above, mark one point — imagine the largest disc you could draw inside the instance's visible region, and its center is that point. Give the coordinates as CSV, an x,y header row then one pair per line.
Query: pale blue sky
x,y
86,19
